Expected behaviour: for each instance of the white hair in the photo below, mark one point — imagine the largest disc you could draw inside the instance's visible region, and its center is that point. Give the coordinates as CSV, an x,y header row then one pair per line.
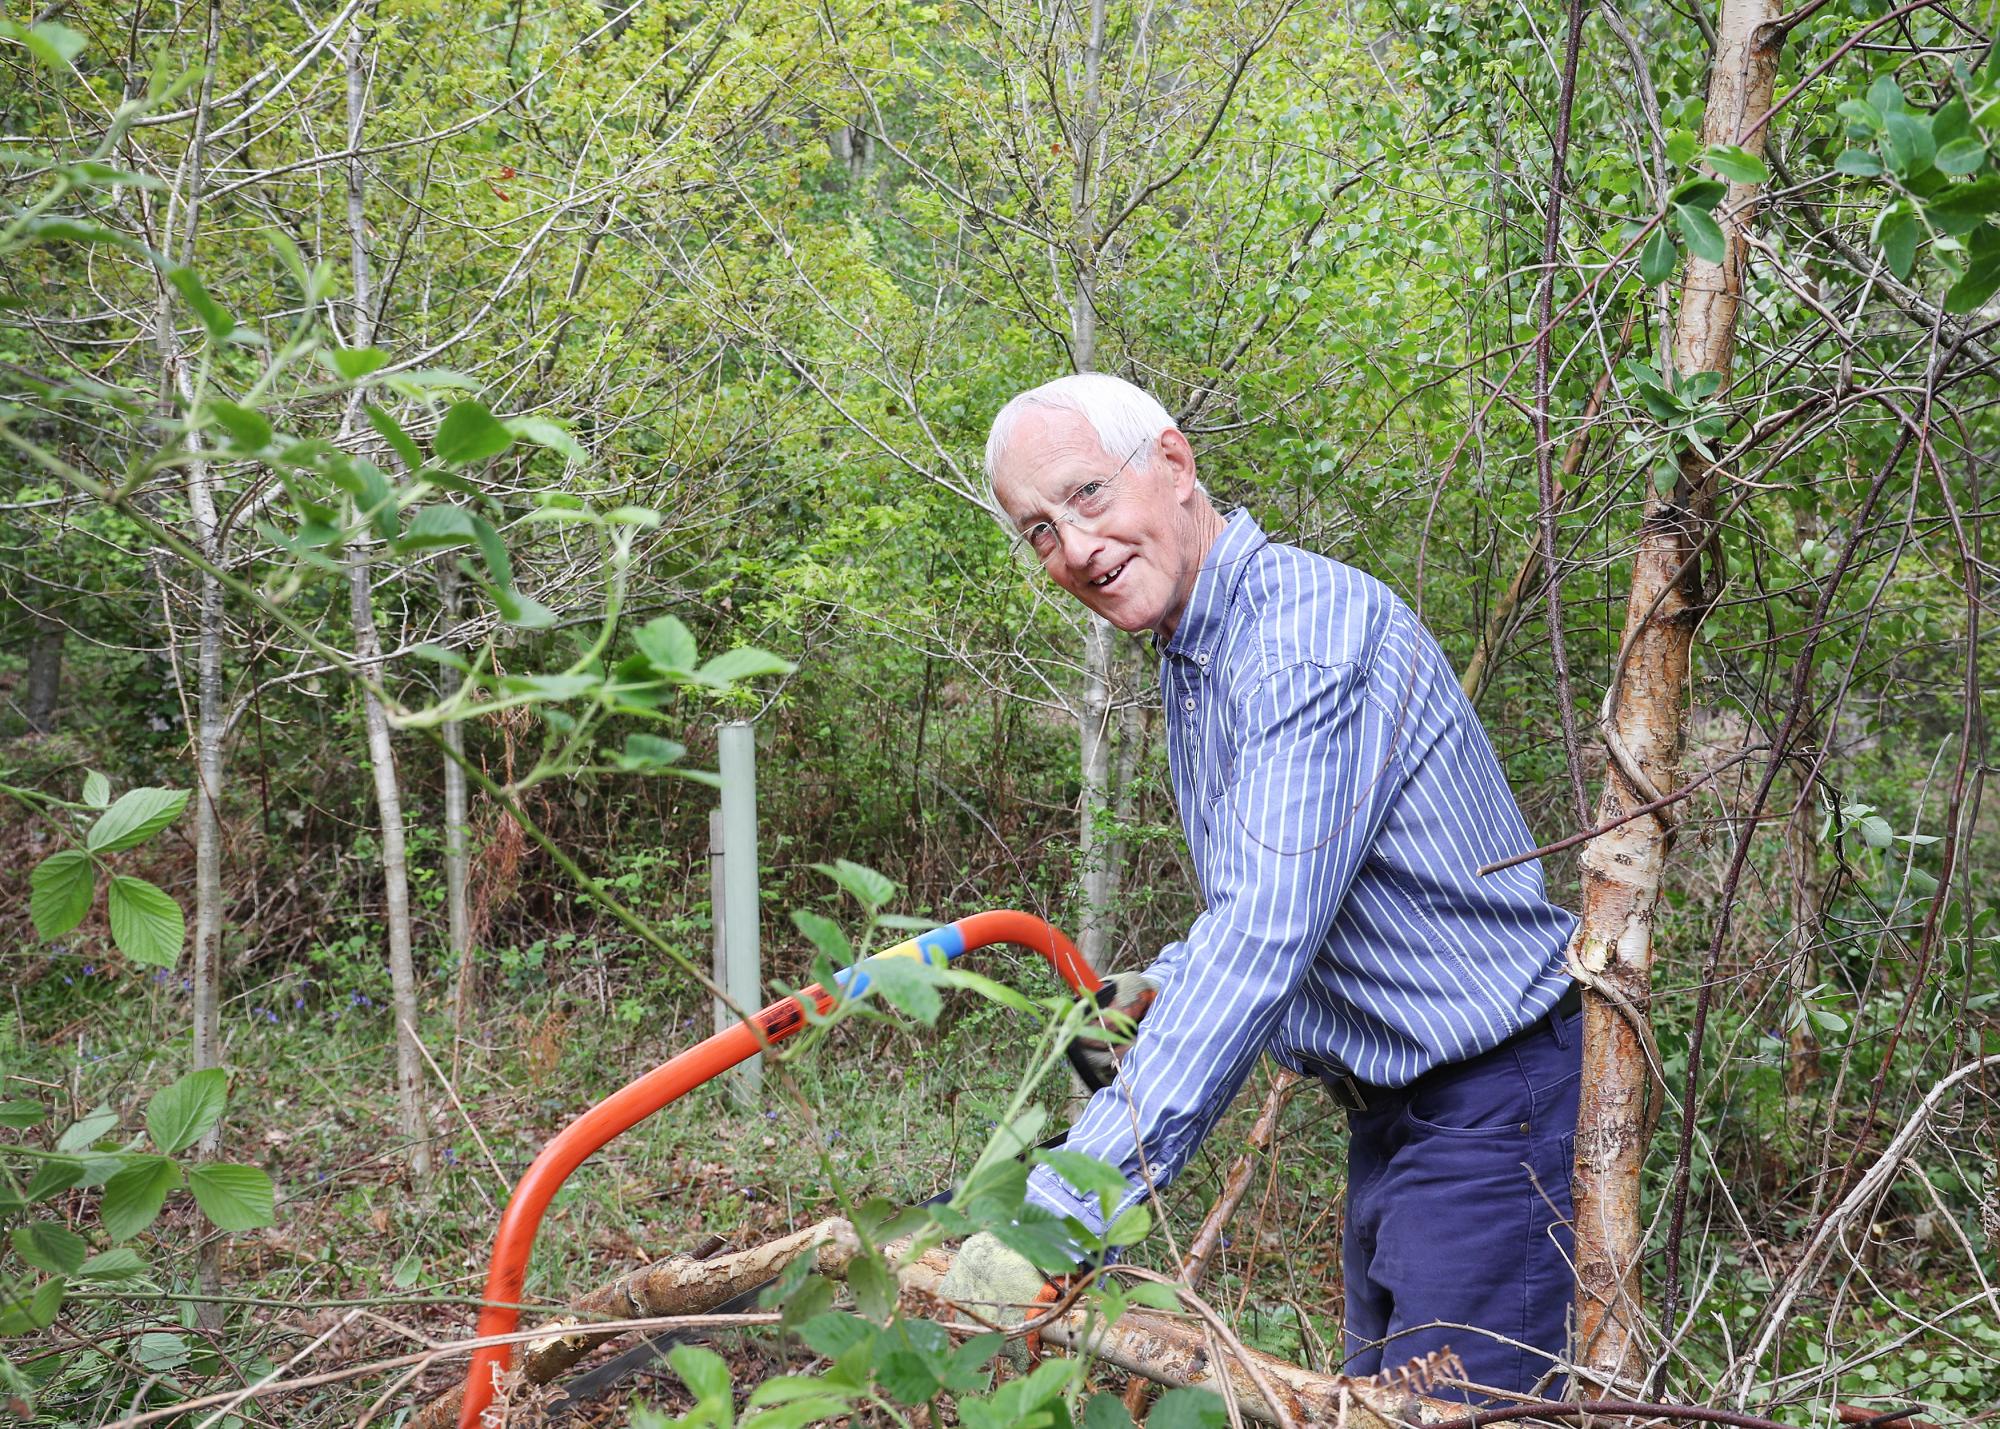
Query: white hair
x,y
1124,417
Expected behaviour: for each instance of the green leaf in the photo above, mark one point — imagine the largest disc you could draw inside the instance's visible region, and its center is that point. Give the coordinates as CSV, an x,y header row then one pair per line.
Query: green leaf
x,y
544,433
1153,1295
870,889
743,663
132,1198
1864,120
86,1131
121,1262
247,428
160,1351
1907,140
1897,235
37,1311
1703,234
146,924
180,1114
96,790
469,433
1657,258
904,1375
1961,156
354,363
1951,123
873,1286
56,1174
50,1247
521,610
54,45
1087,1174
666,642
1702,194
1737,164
136,817
1886,96
649,751
1981,281
1107,1411
59,892
1876,832
906,984
235,1198
1682,146
21,1115
825,934
1188,1409
436,527
389,430
1130,1228
214,317
704,1372
1860,163
54,228
1959,208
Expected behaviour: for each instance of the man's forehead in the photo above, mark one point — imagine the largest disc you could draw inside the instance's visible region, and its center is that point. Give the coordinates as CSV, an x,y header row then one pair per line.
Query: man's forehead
x,y
1045,447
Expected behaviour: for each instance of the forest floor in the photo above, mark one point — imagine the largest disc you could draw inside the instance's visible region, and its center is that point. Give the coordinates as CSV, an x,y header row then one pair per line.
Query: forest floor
x,y
897,1110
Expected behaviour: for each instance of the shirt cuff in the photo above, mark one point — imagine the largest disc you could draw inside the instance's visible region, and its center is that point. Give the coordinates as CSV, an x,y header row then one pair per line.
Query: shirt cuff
x,y
1053,1194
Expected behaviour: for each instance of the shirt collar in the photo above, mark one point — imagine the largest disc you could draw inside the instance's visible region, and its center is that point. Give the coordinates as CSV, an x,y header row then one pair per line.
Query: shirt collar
x,y
1222,570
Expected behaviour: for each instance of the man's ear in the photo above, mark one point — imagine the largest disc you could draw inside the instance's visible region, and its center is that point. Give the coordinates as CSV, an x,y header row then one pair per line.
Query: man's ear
x,y
1178,459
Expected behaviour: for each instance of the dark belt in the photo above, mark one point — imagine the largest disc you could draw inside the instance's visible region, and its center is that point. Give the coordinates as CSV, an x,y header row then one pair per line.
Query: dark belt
x,y
1351,1094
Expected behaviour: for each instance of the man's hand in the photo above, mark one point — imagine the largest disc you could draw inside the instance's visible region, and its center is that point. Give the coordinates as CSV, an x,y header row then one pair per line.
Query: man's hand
x,y
1095,1058
996,1284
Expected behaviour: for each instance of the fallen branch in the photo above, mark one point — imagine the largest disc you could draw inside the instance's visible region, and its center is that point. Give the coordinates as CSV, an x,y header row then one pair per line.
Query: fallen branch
x,y
1235,1185
679,1285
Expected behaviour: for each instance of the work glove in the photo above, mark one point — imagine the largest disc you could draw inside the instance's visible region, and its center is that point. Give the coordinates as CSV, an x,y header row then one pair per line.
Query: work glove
x,y
1090,1051
996,1284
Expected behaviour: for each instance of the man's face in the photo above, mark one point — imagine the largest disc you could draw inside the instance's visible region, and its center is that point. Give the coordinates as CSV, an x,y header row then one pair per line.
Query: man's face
x,y
1117,530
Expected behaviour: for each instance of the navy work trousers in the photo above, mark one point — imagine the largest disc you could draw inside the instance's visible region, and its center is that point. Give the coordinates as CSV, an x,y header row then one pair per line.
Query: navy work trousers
x,y
1458,1212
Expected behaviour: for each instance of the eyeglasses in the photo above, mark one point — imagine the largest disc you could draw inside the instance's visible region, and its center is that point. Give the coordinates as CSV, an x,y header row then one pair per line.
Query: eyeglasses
x,y
1084,508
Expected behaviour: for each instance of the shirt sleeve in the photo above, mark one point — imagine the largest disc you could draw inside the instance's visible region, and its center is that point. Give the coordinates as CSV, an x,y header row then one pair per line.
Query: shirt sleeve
x,y
1316,774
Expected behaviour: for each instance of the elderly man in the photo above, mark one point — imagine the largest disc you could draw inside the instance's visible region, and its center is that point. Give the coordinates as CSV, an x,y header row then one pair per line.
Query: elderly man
x,y
1338,794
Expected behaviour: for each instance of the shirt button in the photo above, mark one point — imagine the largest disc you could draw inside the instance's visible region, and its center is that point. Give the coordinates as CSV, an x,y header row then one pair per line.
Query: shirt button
x,y
1188,704
1201,658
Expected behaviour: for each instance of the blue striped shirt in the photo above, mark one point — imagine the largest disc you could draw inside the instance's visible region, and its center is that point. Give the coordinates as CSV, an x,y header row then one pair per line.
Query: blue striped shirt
x,y
1338,792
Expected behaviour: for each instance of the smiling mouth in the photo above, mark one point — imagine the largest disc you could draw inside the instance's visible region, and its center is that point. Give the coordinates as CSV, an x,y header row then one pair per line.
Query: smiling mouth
x,y
1109,576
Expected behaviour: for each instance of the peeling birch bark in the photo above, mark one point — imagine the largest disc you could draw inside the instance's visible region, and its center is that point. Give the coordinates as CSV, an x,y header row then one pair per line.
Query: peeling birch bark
x,y
1622,869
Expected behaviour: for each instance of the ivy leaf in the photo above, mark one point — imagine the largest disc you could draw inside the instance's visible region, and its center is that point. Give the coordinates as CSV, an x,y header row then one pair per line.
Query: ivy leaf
x,y
179,1115
136,817
146,924
1703,234
49,1247
469,433
59,892
235,1198
132,1198
1657,258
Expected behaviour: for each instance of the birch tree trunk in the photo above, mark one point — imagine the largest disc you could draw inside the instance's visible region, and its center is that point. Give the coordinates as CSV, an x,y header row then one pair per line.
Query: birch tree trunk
x,y
1099,648
1622,869
457,861
410,1118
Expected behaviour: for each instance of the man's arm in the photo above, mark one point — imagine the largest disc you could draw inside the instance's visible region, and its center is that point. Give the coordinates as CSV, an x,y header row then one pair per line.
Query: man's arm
x,y
1316,774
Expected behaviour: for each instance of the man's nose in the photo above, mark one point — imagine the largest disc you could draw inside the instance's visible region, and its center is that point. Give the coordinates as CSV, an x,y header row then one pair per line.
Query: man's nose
x,y
1078,545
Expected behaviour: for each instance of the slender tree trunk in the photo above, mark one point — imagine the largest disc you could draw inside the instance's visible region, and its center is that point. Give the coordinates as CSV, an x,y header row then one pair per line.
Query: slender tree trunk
x,y
1623,869
1094,722
44,680
457,856
368,651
